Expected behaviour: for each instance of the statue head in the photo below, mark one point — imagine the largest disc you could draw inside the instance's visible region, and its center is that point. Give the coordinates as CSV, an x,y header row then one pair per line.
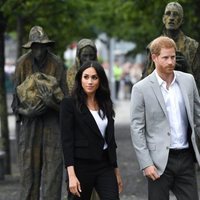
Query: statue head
x,y
37,36
86,50
39,51
173,16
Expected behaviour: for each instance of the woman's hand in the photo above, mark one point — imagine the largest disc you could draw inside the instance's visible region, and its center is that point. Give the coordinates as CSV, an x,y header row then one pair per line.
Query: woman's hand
x,y
74,184
119,180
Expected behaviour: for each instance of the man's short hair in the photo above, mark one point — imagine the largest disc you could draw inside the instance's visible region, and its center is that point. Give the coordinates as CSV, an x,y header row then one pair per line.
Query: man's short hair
x,y
161,42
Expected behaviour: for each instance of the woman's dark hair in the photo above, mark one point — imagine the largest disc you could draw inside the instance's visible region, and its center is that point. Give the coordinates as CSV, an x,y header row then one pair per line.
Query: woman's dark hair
x,y
102,95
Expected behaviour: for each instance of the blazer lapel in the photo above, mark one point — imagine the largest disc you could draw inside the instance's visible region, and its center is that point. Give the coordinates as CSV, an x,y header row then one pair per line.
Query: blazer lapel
x,y
157,92
181,84
110,130
90,121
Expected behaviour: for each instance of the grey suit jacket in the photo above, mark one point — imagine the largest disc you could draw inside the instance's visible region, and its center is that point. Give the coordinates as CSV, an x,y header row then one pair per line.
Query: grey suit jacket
x,y
150,129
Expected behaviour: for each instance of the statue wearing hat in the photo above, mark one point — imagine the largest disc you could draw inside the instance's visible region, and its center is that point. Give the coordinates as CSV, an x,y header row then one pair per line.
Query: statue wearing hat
x,y
40,85
86,50
188,50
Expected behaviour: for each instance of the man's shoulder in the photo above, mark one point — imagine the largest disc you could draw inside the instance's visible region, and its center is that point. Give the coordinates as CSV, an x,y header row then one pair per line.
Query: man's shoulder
x,y
145,82
185,76
191,42
180,73
24,57
54,57
188,41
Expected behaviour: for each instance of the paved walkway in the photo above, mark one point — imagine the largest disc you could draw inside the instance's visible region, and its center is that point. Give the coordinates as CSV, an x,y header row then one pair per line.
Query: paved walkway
x,y
135,185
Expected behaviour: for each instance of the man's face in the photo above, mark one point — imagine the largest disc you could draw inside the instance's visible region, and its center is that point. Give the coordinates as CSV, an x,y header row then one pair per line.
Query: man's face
x,y
172,18
166,61
86,54
39,51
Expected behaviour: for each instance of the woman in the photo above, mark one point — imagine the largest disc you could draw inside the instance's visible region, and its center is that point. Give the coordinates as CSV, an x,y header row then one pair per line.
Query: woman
x,y
88,140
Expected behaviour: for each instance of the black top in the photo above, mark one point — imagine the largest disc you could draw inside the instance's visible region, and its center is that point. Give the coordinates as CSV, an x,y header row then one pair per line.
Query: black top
x,y
81,137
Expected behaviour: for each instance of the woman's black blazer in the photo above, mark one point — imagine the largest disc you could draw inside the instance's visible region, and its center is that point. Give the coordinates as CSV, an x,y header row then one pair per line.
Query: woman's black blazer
x,y
81,137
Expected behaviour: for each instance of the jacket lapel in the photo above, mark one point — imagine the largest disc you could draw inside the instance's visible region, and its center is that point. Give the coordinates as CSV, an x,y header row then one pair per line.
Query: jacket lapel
x,y
90,121
157,92
184,93
109,130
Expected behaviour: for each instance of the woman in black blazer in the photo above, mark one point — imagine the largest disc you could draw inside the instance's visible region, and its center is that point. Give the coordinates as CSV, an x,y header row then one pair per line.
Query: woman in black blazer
x,y
88,140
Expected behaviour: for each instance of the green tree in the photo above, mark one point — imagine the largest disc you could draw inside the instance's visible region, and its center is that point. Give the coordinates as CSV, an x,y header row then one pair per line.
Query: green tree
x,y
138,21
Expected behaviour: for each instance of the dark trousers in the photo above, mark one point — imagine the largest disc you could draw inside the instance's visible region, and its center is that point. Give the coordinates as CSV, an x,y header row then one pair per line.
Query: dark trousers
x,y
179,177
96,174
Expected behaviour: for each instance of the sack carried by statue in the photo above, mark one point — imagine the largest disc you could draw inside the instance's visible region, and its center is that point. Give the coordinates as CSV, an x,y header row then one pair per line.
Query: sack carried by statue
x,y
28,92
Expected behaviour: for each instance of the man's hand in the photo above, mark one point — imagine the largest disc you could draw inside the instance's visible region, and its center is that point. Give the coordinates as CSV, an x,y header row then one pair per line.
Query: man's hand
x,y
47,97
32,111
45,94
181,62
151,172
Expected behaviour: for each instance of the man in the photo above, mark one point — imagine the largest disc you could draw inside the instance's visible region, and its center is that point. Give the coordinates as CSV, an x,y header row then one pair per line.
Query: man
x,y
40,85
86,50
188,50
165,125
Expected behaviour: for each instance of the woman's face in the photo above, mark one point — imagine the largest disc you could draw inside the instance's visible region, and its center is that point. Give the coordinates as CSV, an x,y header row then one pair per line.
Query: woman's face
x,y
90,81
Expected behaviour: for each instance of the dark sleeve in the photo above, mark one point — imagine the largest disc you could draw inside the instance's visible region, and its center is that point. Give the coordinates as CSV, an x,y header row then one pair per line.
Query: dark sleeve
x,y
112,142
67,130
196,68
17,81
115,147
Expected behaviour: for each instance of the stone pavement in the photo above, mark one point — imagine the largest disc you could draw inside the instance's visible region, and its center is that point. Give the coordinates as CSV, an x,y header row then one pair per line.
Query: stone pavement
x,y
135,185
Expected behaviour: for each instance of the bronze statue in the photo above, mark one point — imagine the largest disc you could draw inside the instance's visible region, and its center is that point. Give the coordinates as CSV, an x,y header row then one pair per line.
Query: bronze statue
x,y
188,50
40,85
86,50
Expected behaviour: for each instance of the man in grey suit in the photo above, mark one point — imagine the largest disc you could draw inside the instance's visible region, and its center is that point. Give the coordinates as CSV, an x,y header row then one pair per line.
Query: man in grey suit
x,y
165,126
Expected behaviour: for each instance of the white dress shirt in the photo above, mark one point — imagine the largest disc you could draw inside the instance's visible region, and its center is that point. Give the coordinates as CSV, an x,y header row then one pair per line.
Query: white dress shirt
x,y
101,123
176,111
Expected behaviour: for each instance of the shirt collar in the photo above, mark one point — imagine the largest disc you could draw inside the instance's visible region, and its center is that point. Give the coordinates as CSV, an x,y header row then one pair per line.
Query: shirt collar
x,y
161,81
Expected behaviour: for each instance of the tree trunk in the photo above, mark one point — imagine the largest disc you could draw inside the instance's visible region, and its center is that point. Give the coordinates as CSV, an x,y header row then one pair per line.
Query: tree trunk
x,y
3,103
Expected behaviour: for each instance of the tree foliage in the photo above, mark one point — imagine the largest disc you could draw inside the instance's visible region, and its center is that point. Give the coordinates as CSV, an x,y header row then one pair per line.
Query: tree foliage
x,y
138,21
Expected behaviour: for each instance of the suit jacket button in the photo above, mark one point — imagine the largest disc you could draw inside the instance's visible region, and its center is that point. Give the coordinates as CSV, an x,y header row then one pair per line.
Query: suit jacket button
x,y
167,148
168,133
